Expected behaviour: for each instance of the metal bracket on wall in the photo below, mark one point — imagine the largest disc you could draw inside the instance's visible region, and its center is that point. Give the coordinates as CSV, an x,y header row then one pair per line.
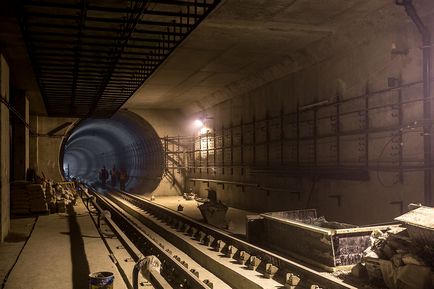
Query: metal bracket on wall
x,y
222,182
271,189
242,188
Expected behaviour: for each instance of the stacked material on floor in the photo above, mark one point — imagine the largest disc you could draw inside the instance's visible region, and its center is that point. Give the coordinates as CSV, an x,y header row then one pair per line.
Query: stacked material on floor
x,y
27,198
403,257
38,203
20,203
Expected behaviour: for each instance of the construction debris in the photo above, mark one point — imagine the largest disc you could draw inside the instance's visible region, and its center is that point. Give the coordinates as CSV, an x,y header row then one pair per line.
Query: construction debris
x,y
64,194
213,211
47,197
402,257
189,196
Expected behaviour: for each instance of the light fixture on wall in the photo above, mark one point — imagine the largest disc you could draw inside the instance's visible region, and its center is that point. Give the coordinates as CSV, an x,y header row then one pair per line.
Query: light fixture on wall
x,y
198,123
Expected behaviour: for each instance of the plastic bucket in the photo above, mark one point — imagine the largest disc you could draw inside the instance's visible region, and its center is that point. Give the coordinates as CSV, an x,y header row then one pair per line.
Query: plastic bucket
x,y
101,280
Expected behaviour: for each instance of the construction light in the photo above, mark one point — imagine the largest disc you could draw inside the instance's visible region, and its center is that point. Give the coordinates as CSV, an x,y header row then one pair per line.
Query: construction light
x,y
198,123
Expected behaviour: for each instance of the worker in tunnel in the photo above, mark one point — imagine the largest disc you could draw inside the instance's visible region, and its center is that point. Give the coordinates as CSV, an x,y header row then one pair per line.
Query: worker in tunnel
x,y
123,178
103,176
113,176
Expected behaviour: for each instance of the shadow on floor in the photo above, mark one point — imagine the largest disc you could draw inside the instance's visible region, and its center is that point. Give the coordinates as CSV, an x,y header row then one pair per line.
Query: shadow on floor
x,y
14,237
83,236
80,265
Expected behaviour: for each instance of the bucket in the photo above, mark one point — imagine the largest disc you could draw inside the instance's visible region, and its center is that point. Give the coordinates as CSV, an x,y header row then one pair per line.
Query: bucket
x,y
101,280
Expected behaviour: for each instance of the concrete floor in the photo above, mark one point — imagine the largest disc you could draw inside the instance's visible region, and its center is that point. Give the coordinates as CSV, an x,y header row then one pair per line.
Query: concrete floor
x,y
11,247
60,253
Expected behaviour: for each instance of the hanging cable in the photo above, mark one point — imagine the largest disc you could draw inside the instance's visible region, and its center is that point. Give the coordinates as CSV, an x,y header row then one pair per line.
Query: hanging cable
x,y
17,114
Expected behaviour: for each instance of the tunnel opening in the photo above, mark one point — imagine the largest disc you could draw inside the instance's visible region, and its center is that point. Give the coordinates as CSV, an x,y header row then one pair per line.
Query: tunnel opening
x,y
125,144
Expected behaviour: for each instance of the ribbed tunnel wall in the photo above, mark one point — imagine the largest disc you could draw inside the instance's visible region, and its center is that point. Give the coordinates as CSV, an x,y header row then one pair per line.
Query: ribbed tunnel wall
x,y
125,141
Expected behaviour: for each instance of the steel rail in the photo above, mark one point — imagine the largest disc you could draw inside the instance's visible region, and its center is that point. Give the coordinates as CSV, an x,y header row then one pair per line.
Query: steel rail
x,y
154,277
308,275
138,244
196,246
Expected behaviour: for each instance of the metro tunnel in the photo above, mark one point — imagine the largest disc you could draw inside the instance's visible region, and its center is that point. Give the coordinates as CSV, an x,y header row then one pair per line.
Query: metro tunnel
x,y
199,144
123,142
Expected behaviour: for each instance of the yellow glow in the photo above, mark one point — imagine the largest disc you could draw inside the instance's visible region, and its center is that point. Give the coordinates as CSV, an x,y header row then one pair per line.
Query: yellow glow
x,y
198,123
204,130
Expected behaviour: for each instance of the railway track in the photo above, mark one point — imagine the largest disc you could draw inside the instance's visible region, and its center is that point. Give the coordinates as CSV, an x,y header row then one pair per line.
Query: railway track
x,y
196,255
145,243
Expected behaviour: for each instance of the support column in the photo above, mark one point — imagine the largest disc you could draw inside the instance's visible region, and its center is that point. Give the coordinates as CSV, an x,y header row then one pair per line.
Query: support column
x,y
20,136
4,151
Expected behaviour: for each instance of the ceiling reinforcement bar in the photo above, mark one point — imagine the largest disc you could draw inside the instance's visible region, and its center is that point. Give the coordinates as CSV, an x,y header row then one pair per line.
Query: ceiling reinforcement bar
x,y
91,56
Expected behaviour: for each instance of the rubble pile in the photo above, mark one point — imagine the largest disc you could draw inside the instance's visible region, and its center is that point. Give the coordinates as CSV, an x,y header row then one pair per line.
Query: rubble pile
x,y
59,196
402,257
323,223
50,195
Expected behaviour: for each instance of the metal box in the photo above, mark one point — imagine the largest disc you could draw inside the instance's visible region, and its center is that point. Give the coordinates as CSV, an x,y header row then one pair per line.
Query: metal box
x,y
331,244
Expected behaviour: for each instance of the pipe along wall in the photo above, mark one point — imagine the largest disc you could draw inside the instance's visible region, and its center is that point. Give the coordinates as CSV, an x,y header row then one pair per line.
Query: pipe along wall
x,y
125,141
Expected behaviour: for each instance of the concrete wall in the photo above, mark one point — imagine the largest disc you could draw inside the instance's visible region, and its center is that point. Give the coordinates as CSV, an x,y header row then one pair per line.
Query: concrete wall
x,y
20,136
286,171
45,150
48,147
33,142
387,145
4,151
166,123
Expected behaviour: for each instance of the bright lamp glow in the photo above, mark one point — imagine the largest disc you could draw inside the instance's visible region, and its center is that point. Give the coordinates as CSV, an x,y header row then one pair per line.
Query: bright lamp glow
x,y
198,123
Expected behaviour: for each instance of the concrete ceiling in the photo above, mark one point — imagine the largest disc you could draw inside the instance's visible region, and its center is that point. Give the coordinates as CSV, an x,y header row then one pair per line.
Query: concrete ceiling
x,y
13,46
242,45
241,38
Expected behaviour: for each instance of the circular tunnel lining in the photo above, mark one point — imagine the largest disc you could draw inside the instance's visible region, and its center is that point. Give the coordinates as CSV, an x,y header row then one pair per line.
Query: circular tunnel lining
x,y
124,142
